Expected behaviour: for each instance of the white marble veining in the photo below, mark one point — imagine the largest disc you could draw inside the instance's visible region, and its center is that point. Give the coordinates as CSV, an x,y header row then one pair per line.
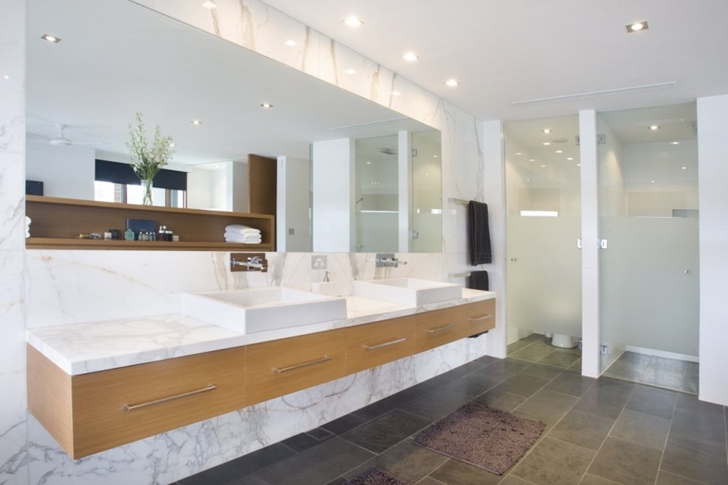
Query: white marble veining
x,y
97,346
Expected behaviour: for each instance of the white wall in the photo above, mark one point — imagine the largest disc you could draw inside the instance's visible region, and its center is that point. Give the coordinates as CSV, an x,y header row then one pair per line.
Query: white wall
x,y
333,195
292,212
66,171
713,178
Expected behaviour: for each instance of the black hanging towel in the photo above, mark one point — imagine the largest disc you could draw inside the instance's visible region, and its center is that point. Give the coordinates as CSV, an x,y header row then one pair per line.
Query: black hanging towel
x,y
479,280
479,233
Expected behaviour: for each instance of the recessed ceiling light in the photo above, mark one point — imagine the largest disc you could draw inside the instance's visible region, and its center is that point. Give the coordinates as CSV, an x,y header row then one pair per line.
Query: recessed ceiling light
x,y
266,105
291,43
519,153
396,93
6,77
675,143
435,156
578,164
543,166
652,181
531,159
570,158
353,21
559,151
654,127
369,163
546,143
50,38
684,168
546,130
171,145
410,56
350,71
452,83
637,26
210,5
196,122
528,180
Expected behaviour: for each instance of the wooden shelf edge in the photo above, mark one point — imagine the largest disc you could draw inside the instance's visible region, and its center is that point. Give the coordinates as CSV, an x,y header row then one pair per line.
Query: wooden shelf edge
x,y
60,243
150,208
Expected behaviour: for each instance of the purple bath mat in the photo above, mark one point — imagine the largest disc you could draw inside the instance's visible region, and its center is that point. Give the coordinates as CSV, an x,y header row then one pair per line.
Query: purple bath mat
x,y
488,438
375,476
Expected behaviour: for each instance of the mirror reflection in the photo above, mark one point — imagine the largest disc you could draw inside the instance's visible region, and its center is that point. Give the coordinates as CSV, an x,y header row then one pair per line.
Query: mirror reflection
x,y
116,58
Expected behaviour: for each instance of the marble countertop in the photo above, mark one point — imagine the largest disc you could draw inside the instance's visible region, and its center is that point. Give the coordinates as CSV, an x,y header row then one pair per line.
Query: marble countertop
x,y
92,347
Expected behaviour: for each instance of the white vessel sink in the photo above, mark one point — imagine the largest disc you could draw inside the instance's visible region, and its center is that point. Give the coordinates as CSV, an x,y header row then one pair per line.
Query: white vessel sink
x,y
407,291
261,309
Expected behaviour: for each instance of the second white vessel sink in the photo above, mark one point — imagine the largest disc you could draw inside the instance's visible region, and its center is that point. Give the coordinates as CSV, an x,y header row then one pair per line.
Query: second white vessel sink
x,y
261,309
407,291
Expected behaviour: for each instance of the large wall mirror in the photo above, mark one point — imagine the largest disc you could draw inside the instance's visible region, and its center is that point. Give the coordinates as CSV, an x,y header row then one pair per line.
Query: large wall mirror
x,y
116,58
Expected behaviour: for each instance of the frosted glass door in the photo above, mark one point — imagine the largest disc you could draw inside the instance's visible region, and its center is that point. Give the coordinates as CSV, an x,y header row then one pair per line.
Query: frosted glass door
x,y
648,217
543,225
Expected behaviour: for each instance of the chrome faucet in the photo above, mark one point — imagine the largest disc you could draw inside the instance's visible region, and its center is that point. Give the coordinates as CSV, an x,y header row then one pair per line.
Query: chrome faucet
x,y
387,260
252,263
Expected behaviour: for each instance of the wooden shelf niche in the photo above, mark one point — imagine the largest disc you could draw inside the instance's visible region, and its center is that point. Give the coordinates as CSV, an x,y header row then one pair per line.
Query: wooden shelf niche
x,y
57,222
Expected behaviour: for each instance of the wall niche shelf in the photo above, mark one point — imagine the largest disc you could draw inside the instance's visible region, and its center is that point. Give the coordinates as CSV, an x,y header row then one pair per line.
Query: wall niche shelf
x,y
57,222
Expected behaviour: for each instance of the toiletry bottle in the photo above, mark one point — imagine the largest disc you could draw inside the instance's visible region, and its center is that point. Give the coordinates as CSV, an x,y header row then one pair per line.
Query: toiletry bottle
x,y
162,236
129,235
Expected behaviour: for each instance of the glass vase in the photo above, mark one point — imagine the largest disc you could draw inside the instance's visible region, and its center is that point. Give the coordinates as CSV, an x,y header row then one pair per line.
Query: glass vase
x,y
147,189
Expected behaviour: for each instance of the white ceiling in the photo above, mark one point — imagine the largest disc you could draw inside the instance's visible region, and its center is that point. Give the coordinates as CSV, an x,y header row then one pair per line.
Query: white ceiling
x,y
503,51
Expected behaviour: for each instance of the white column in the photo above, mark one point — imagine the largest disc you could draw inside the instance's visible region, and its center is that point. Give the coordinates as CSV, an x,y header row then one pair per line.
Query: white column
x,y
333,195
713,200
494,194
589,236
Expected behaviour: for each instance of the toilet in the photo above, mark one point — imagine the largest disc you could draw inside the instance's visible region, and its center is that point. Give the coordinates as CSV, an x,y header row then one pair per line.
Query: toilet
x,y
562,341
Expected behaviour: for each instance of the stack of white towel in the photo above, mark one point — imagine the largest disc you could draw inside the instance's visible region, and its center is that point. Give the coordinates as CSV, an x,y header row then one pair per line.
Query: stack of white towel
x,y
237,233
27,226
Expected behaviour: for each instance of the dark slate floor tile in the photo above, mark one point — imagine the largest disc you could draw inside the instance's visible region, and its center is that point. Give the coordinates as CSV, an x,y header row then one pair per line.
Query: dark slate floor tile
x,y
513,480
320,434
543,371
406,461
660,378
505,401
664,364
589,479
487,360
239,468
560,359
625,462
344,424
523,385
533,353
525,342
548,406
582,429
648,400
436,404
552,461
472,384
692,403
571,383
338,481
318,465
695,460
250,481
394,401
386,431
300,442
456,472
505,368
605,398
430,481
641,428
705,428
664,478
635,358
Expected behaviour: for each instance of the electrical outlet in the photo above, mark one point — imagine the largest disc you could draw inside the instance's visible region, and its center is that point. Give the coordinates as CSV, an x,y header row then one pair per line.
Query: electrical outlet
x,y
605,350
319,262
579,345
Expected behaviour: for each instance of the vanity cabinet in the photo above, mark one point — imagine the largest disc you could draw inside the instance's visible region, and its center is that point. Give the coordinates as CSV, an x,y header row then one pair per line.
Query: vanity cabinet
x,y
375,344
280,367
57,222
93,412
440,327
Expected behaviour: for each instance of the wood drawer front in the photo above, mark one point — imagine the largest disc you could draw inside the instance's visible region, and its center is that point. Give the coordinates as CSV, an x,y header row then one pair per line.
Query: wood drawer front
x,y
375,344
440,327
112,408
279,367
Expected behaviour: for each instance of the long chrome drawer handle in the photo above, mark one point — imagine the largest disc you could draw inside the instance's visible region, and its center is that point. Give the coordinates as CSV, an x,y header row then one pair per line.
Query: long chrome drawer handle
x,y
385,344
484,317
444,328
132,407
325,358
